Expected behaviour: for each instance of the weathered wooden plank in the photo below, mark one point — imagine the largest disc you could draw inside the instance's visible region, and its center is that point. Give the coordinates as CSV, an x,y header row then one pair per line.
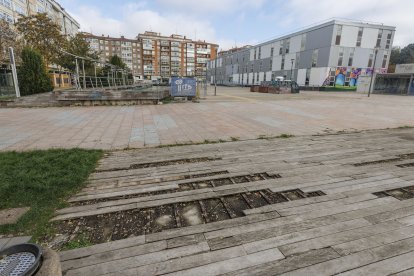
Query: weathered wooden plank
x,y
100,248
233,264
140,260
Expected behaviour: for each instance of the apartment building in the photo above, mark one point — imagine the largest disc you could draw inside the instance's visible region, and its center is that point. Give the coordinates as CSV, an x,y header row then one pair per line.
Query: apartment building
x,y
154,57
11,10
129,50
333,53
175,55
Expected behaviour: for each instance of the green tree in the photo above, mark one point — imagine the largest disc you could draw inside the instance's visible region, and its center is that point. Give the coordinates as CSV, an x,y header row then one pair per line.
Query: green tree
x,y
78,46
44,35
394,59
8,38
407,54
33,76
117,61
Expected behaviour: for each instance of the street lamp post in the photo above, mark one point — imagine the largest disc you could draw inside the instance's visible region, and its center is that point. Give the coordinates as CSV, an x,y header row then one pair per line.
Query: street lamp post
x,y
373,71
215,77
291,69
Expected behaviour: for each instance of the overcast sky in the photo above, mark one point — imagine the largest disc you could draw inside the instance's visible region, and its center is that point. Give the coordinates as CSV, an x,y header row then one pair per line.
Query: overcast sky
x,y
234,22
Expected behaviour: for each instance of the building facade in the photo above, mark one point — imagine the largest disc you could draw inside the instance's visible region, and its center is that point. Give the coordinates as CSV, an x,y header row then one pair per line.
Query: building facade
x,y
175,55
11,10
129,50
333,53
154,57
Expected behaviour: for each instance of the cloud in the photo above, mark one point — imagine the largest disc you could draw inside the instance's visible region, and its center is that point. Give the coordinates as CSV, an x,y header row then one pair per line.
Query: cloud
x,y
208,6
390,12
138,19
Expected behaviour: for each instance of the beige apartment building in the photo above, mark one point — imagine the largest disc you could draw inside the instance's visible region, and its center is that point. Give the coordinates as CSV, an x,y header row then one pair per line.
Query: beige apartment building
x,y
129,50
154,57
11,10
175,55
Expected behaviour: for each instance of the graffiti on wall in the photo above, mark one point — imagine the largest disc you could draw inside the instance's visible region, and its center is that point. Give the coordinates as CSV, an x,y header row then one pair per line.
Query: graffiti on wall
x,y
355,73
340,75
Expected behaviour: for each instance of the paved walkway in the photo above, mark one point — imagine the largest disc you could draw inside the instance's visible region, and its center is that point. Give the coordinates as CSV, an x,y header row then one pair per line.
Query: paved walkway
x,y
325,205
234,113
7,242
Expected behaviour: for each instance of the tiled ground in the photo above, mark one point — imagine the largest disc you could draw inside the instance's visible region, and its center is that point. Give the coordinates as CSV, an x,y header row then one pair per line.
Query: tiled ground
x,y
234,113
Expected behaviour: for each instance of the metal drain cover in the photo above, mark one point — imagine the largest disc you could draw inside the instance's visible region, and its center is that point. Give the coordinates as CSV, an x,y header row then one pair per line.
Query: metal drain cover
x,y
19,260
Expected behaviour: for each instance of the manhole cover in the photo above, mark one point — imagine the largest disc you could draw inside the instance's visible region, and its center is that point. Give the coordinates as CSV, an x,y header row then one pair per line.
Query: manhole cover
x,y
22,259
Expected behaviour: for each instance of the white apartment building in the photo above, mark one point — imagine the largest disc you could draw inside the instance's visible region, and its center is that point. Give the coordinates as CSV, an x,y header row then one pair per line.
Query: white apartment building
x,y
11,10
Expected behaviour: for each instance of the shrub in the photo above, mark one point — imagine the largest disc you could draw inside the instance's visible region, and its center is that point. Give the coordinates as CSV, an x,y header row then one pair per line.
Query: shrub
x,y
33,77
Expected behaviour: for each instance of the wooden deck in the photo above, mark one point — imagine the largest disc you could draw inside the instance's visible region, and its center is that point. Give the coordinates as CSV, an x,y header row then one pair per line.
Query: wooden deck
x,y
342,209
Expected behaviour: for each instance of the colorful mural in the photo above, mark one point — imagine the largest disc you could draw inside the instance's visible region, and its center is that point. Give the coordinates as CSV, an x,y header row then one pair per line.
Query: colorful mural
x,y
355,73
340,75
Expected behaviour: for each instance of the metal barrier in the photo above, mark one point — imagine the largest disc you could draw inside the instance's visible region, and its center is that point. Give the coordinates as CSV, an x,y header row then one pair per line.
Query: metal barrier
x,y
6,83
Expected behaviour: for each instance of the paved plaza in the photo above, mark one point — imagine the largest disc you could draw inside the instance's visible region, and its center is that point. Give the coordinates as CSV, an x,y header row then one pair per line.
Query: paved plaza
x,y
309,205
234,113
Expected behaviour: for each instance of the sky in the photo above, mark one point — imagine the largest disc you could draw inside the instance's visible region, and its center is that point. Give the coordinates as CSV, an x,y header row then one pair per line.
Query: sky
x,y
232,23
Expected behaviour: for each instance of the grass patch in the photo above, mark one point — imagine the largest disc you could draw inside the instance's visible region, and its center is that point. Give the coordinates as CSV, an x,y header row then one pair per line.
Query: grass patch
x,y
80,242
167,100
340,88
41,180
285,136
7,97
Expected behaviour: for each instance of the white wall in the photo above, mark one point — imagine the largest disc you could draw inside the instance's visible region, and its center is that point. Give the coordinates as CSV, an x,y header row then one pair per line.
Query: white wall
x,y
277,62
295,43
252,53
261,77
318,75
235,78
265,51
301,76
369,38
269,76
250,78
349,36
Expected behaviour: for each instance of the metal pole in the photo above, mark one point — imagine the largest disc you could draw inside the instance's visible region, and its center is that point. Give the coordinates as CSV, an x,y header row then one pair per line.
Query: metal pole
x,y
84,74
291,70
373,72
96,78
215,77
14,72
77,75
205,84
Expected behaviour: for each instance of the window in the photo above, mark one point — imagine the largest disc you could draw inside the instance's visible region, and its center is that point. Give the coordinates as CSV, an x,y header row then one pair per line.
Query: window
x,y
6,17
264,78
338,35
315,58
387,46
20,10
340,58
260,52
287,47
6,3
257,76
282,67
384,61
379,38
272,50
359,39
303,43
370,60
351,59
280,50
254,57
